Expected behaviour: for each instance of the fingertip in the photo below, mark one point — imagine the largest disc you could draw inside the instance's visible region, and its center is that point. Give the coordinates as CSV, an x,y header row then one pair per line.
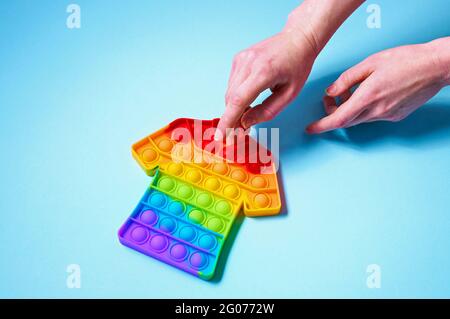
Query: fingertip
x,y
311,128
329,104
220,130
328,100
332,90
248,120
228,120
218,135
323,125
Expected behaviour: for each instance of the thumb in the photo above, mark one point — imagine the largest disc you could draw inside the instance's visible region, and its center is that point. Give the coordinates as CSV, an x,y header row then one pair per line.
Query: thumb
x,y
269,108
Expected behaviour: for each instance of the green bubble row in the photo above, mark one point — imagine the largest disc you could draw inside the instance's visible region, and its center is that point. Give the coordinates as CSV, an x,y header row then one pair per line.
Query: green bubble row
x,y
200,198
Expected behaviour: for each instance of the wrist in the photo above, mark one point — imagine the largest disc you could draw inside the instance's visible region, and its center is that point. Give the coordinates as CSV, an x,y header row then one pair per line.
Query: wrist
x,y
299,28
440,50
317,20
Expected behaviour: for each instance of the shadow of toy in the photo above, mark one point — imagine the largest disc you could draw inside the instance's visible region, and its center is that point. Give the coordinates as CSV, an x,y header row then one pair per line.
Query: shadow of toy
x,y
426,127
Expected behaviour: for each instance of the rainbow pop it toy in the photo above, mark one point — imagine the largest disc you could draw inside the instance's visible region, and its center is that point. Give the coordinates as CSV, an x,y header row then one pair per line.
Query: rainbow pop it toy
x,y
198,189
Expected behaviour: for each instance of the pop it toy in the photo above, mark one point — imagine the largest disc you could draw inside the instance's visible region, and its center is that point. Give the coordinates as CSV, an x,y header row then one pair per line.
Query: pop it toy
x,y
198,189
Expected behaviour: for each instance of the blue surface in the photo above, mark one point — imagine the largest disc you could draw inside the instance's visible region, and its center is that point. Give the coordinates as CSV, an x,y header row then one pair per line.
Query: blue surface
x,y
73,101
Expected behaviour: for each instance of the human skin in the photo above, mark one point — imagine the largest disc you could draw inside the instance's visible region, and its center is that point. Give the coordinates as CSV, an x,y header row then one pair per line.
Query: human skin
x,y
392,83
281,63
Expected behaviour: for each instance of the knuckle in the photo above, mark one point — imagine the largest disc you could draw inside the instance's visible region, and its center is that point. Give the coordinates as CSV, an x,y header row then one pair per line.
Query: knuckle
x,y
370,60
263,68
340,122
344,78
239,56
374,95
374,58
383,55
371,96
384,109
378,113
251,54
235,99
264,65
246,54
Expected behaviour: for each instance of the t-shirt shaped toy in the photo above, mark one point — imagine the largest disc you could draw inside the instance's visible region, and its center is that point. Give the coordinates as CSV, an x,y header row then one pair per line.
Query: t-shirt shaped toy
x,y
199,187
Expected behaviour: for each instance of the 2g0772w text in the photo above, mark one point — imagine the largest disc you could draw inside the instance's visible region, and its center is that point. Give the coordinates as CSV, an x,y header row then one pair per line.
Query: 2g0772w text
x,y
231,308
246,308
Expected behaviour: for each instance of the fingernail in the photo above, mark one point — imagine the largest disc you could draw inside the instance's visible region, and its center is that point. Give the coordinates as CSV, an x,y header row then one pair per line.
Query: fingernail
x,y
248,123
331,89
310,129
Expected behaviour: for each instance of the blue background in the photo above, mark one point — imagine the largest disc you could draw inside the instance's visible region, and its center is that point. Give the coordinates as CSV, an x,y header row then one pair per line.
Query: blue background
x,y
73,101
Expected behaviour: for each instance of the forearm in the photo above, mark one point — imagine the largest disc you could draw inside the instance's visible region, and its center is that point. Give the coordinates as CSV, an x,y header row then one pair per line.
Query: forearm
x,y
441,49
318,20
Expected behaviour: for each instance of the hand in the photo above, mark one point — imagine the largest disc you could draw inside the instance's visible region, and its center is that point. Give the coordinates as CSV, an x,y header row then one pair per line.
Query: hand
x,y
392,84
281,63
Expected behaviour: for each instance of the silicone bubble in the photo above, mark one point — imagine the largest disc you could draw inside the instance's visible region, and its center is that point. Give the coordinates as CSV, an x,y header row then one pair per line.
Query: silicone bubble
x,y
176,208
220,168
212,184
231,191
198,260
166,184
197,216
185,216
185,192
188,233
139,234
159,243
168,225
207,242
259,182
165,145
239,175
204,200
178,252
175,169
223,207
149,155
262,200
149,217
194,176
215,224
157,200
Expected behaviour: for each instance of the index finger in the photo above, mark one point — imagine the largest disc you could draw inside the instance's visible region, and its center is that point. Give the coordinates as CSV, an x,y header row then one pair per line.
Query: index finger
x,y
239,100
342,116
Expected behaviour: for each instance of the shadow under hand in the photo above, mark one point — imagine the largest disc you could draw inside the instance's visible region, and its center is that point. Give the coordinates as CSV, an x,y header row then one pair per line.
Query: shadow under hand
x,y
427,125
292,121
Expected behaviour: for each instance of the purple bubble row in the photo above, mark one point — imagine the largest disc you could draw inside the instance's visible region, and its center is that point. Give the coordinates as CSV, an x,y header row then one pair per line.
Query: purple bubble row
x,y
162,244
